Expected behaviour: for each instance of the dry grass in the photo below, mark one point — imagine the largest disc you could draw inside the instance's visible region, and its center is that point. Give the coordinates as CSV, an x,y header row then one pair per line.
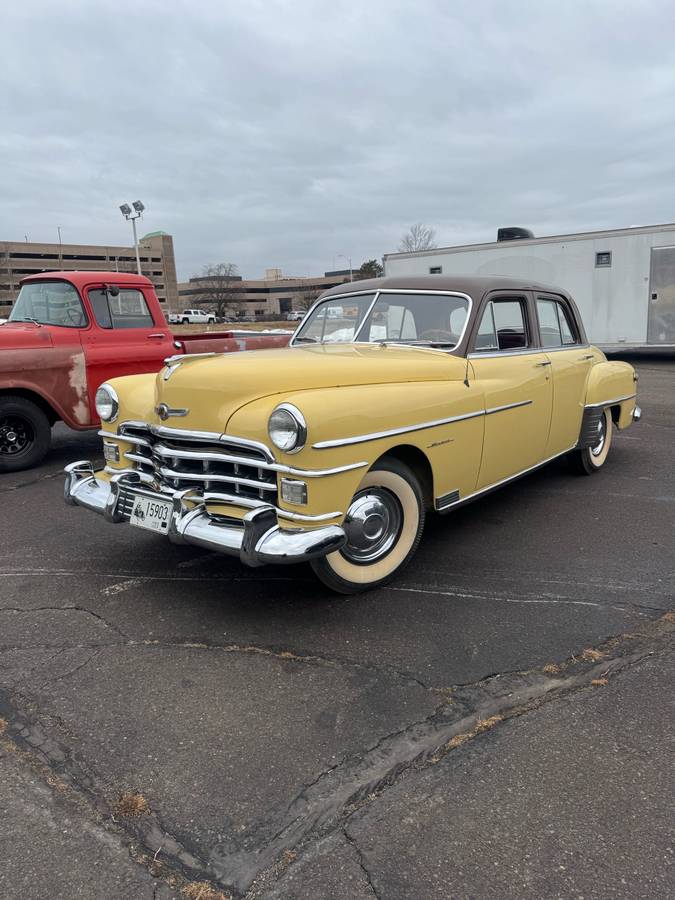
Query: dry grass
x,y
551,669
669,616
480,726
591,655
131,804
202,890
3,725
600,682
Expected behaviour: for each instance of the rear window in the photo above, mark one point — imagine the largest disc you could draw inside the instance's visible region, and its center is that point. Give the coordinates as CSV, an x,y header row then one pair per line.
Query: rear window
x,y
127,309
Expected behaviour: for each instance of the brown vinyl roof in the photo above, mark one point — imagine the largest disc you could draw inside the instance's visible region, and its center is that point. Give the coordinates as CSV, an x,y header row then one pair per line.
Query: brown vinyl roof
x,y
473,285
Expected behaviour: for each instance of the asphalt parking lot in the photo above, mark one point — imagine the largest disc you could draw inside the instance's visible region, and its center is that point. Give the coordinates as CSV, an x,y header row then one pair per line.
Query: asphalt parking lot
x,y
496,723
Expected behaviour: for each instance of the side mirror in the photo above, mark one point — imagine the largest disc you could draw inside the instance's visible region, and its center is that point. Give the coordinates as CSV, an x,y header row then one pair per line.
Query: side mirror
x,y
112,289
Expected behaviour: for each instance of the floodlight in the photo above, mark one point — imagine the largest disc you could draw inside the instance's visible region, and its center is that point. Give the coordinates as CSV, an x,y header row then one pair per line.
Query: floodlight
x,y
138,206
125,209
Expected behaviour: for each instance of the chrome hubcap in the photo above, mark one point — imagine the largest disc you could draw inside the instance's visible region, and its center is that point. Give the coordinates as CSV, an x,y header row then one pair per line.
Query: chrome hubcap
x,y
602,434
372,524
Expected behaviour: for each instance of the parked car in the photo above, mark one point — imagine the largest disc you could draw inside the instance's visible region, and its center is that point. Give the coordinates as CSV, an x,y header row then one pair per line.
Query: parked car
x,y
334,451
295,315
195,317
70,331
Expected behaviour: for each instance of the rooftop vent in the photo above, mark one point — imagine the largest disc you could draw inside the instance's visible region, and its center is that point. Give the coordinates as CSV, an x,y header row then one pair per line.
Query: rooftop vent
x,y
514,234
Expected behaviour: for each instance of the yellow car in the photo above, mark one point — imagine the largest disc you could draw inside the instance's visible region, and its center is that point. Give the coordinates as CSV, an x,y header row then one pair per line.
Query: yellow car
x,y
396,397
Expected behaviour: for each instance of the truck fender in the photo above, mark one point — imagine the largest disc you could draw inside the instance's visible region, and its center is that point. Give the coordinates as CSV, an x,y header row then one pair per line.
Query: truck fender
x,y
50,406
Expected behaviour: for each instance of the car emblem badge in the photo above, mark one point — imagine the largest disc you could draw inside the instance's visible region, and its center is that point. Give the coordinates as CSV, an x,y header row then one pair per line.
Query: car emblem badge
x,y
167,412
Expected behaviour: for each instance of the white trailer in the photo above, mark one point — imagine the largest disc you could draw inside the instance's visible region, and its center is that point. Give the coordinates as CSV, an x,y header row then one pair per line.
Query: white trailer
x,y
622,280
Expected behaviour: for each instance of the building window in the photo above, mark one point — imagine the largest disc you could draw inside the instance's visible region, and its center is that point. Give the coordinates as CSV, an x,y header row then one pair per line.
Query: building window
x,y
436,270
604,258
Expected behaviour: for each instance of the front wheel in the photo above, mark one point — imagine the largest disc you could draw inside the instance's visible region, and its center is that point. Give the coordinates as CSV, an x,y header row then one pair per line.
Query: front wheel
x,y
590,460
384,526
25,434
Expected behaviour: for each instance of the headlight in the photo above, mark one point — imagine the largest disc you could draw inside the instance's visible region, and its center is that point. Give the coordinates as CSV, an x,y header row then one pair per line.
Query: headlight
x,y
287,428
107,403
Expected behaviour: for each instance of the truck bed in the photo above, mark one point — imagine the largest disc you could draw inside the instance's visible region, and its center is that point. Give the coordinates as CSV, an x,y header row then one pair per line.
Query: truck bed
x,y
229,341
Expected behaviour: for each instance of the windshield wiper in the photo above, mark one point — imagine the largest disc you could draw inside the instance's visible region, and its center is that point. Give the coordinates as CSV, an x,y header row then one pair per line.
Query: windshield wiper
x,y
305,340
27,319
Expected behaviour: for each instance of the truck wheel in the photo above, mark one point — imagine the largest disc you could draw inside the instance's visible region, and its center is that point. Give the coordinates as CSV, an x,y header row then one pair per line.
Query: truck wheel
x,y
590,460
185,321
25,434
384,526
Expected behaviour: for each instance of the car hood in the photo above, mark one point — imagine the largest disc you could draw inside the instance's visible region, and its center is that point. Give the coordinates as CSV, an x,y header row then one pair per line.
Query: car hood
x,y
212,389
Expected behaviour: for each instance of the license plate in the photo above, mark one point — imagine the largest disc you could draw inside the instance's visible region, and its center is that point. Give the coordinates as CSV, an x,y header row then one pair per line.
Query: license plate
x,y
151,514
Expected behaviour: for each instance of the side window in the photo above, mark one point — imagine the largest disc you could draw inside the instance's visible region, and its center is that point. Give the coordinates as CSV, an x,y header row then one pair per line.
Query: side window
x,y
549,326
127,309
566,325
503,326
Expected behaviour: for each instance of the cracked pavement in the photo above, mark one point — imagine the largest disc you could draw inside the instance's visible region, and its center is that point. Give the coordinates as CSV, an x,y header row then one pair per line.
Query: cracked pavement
x,y
493,724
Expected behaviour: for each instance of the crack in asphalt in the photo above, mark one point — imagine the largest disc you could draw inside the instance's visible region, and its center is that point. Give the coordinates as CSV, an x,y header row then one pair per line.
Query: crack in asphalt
x,y
71,608
360,860
329,800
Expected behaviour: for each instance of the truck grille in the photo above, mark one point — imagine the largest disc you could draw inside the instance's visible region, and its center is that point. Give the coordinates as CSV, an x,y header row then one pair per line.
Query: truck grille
x,y
179,460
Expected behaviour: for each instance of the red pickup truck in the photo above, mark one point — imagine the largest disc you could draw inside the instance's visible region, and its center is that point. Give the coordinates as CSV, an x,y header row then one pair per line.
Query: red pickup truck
x,y
68,332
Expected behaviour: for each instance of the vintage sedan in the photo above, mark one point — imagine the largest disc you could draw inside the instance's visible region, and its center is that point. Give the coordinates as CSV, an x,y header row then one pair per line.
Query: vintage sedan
x,y
396,397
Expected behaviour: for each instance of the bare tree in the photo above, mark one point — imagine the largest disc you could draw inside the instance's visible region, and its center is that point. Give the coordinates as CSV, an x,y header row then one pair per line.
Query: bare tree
x,y
419,237
307,297
219,288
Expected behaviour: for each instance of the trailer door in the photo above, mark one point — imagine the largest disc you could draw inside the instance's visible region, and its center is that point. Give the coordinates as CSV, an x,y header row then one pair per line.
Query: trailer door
x,y
661,321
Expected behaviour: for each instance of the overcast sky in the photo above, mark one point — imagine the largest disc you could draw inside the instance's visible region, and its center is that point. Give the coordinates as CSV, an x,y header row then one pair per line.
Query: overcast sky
x,y
286,133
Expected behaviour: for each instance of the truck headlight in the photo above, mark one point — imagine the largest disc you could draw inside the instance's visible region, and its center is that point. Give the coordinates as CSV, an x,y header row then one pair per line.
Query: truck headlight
x,y
287,428
107,403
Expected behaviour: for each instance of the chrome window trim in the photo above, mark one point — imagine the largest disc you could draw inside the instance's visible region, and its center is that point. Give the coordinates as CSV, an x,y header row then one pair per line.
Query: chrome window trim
x,y
379,291
422,426
529,351
609,402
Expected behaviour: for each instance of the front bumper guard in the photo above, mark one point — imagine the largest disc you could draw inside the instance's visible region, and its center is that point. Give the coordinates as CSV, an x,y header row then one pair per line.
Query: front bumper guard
x,y
257,541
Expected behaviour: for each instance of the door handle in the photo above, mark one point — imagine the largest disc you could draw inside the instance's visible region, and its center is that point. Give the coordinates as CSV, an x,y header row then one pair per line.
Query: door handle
x,y
542,364
588,356
157,335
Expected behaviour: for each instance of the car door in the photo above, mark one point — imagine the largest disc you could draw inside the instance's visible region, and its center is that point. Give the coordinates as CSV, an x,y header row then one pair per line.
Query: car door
x,y
126,339
514,376
571,359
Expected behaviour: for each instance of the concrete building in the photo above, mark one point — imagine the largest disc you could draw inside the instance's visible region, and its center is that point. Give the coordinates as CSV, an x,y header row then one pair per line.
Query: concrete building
x,y
622,279
18,259
274,295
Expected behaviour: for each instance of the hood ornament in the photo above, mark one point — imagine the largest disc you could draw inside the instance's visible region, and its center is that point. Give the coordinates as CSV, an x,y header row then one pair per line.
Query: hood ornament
x,y
174,362
169,412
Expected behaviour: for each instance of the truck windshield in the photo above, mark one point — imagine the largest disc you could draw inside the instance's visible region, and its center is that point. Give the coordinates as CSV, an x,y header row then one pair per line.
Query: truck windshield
x,y
49,303
428,320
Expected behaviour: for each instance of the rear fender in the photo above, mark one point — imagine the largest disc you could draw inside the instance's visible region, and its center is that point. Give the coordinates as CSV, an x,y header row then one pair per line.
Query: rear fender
x,y
613,384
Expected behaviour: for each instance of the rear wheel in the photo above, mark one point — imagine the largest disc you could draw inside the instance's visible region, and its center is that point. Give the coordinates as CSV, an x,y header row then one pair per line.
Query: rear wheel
x,y
25,434
185,321
384,526
590,460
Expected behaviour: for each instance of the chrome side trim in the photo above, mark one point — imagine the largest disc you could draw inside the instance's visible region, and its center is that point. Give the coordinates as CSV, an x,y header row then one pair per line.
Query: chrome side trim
x,y
610,402
496,409
393,432
497,484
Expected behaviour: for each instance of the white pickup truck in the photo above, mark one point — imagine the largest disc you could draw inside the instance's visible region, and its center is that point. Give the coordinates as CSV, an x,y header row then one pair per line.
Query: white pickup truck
x,y
192,317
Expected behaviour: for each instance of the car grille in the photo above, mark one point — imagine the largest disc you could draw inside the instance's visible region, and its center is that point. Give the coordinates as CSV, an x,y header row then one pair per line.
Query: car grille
x,y
181,461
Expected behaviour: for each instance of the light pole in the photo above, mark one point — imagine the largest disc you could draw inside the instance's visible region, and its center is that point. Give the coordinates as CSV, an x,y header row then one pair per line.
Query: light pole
x,y
128,214
349,260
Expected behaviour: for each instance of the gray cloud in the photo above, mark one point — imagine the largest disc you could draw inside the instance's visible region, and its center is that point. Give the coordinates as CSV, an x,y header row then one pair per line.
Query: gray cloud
x,y
285,133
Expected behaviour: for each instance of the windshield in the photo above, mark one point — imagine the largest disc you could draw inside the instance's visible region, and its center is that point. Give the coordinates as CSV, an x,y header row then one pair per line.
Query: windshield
x,y
435,320
49,303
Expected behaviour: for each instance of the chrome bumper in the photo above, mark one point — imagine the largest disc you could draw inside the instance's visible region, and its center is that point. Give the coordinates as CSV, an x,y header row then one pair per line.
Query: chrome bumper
x,y
257,541
637,414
